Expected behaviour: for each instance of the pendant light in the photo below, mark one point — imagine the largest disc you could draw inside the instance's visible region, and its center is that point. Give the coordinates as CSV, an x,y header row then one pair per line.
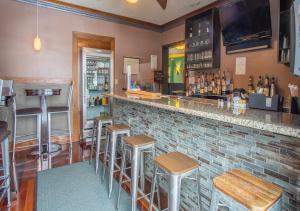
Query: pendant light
x,y
37,44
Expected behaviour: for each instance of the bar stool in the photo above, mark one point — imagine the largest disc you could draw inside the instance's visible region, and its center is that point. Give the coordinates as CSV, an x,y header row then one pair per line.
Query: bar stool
x,y
5,177
113,131
23,113
175,166
240,190
62,110
99,123
137,146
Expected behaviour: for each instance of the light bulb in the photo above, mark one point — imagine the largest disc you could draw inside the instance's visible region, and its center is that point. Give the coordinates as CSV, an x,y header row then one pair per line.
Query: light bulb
x,y
37,44
132,1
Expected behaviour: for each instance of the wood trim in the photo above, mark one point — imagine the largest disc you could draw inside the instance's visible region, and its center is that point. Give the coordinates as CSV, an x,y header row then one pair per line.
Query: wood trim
x,y
81,40
33,80
109,16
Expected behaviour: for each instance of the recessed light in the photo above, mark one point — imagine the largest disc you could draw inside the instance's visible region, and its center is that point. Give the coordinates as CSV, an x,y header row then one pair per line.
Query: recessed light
x,y
132,1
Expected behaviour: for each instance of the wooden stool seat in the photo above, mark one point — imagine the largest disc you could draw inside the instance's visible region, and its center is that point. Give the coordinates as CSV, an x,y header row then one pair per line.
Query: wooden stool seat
x,y
138,141
248,190
117,127
103,118
176,163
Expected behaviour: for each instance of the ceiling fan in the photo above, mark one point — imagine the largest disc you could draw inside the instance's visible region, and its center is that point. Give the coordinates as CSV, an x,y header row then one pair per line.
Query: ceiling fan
x,y
162,3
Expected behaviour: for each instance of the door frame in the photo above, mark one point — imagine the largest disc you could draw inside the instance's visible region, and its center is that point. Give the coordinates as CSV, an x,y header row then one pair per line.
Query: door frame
x,y
81,40
165,64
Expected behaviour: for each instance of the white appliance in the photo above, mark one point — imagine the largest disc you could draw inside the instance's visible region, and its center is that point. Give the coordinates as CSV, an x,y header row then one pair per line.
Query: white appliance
x,y
295,37
97,81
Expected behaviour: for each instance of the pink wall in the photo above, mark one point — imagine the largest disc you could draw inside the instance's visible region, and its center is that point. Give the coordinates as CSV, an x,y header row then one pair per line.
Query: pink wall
x,y
18,59
258,62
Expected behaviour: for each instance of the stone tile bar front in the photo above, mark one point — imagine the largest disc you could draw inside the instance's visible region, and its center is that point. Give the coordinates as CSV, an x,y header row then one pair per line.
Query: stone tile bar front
x,y
218,145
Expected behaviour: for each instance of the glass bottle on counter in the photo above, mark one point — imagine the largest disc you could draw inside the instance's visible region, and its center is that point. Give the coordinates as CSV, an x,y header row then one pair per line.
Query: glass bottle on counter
x,y
259,85
272,87
250,85
223,82
266,87
206,86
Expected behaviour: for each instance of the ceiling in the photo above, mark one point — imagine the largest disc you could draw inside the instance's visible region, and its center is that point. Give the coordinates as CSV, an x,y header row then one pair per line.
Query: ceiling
x,y
145,10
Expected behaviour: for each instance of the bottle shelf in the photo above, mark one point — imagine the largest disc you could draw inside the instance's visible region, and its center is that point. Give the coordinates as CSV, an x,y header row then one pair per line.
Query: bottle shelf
x,y
97,106
197,46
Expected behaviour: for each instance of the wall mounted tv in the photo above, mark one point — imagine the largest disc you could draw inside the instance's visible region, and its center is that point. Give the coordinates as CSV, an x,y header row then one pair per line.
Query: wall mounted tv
x,y
246,25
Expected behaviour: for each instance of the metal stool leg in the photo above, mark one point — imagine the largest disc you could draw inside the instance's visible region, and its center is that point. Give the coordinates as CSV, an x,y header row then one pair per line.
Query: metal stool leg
x,y
214,200
93,142
5,160
157,182
198,179
98,144
112,162
108,136
15,177
38,132
70,132
142,171
135,161
174,192
122,172
153,187
49,142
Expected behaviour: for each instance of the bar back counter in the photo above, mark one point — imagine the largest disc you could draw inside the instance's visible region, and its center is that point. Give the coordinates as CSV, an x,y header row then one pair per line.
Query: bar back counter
x,y
266,144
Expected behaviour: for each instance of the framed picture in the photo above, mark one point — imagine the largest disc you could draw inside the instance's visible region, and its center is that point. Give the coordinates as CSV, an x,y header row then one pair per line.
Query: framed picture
x,y
133,64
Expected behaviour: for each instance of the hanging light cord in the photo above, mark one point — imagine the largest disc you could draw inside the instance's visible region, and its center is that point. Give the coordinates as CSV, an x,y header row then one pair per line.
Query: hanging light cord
x,y
37,17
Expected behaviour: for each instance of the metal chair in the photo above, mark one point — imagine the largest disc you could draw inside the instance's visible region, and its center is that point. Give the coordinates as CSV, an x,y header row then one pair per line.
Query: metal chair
x,y
5,176
23,113
113,131
175,166
100,122
62,110
137,146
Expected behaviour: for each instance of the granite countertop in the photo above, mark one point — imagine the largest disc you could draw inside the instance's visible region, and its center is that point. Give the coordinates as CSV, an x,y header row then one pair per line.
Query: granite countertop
x,y
275,122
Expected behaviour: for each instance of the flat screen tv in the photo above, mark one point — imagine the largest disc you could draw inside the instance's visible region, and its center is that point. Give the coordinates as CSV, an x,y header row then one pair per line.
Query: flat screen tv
x,y
243,20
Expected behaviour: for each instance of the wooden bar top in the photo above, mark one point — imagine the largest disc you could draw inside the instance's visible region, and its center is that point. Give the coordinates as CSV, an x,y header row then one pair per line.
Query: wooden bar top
x,y
250,191
270,121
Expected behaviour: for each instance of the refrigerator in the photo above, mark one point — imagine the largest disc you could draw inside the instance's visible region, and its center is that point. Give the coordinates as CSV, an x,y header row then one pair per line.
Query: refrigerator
x,y
97,82
295,37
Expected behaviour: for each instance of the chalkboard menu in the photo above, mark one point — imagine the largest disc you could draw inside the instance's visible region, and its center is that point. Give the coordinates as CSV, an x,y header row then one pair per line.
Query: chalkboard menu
x,y
159,76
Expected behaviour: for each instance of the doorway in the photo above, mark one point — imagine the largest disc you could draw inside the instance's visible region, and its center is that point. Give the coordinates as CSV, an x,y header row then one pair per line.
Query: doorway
x,y
84,40
174,68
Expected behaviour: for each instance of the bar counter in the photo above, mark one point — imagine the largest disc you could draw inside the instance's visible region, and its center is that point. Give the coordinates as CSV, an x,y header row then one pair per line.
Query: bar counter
x,y
263,143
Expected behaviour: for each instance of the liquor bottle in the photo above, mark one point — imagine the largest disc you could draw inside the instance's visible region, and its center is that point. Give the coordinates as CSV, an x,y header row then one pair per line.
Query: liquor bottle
x,y
106,86
250,85
266,87
259,85
210,87
223,83
272,87
206,86
213,84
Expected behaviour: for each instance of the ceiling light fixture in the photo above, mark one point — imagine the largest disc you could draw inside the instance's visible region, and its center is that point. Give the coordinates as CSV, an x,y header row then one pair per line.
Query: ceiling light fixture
x,y
132,1
37,44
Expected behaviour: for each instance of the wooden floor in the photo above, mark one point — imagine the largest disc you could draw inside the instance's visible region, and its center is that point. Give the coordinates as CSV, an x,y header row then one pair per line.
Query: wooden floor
x,y
27,165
